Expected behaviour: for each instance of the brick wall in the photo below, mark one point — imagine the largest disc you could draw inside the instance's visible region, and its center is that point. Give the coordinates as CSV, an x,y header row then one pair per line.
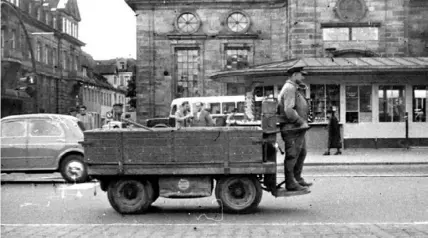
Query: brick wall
x,y
418,28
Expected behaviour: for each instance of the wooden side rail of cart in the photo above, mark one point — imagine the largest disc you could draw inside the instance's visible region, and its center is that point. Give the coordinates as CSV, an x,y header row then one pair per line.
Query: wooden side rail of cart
x,y
136,166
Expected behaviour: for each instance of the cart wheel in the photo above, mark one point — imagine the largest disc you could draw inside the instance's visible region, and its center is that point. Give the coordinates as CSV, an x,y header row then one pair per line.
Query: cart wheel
x,y
128,196
238,194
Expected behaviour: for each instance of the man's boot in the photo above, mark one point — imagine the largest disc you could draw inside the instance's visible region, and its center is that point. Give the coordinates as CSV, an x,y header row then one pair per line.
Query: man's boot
x,y
290,182
298,168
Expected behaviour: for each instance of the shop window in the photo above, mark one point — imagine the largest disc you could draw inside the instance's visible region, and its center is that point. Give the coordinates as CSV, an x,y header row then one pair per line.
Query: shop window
x,y
237,57
420,94
358,104
324,97
262,92
188,72
392,105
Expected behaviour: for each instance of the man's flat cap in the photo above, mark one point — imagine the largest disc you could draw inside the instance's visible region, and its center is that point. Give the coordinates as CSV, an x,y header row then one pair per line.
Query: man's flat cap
x,y
295,70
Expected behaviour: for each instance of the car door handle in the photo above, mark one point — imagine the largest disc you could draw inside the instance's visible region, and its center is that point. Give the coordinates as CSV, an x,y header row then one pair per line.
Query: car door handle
x,y
60,140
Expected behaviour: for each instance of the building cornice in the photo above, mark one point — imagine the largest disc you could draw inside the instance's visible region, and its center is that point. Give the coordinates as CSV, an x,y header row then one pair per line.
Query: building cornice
x,y
136,5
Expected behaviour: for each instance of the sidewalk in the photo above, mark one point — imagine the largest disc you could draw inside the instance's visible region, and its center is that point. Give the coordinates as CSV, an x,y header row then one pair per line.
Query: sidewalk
x,y
365,157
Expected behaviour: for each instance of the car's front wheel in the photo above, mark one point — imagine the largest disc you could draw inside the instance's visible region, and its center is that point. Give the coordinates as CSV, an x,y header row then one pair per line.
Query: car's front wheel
x,y
73,169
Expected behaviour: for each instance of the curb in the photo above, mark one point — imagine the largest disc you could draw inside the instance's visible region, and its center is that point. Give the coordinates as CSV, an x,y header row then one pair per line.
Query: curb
x,y
363,163
35,181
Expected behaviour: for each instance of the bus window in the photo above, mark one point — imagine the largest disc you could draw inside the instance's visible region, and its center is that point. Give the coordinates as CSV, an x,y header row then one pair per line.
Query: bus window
x,y
214,108
228,107
173,109
241,107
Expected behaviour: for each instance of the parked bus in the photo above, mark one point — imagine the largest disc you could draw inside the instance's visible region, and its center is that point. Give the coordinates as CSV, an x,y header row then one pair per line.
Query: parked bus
x,y
218,106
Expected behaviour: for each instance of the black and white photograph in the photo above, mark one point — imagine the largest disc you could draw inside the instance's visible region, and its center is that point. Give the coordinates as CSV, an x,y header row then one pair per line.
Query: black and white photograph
x,y
214,118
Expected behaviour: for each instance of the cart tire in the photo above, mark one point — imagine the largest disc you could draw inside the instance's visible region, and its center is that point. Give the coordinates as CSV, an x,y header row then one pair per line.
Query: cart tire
x,y
238,194
128,196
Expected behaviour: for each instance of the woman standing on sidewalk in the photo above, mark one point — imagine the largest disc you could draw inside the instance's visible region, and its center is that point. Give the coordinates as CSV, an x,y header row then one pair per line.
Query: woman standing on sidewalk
x,y
334,138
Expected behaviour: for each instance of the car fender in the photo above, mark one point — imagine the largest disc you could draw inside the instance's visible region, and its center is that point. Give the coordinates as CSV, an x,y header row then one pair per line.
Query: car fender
x,y
77,150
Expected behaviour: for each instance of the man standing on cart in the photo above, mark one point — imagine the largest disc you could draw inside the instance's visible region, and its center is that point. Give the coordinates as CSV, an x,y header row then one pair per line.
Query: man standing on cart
x,y
293,119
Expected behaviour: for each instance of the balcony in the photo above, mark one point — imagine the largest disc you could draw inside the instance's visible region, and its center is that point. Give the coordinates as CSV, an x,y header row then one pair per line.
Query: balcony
x,y
12,55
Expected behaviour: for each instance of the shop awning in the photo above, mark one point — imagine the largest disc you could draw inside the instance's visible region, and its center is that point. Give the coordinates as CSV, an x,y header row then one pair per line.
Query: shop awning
x,y
332,65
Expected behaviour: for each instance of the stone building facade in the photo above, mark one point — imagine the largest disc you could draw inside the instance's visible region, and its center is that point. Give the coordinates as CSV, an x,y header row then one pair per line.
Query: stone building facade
x,y
40,56
180,43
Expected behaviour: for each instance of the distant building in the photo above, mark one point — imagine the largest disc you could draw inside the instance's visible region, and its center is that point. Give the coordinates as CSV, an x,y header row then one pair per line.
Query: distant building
x,y
95,92
118,72
45,43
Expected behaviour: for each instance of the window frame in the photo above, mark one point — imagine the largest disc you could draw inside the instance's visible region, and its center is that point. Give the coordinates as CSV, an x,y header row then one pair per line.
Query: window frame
x,y
13,39
229,15
386,88
358,110
350,26
178,69
198,22
425,112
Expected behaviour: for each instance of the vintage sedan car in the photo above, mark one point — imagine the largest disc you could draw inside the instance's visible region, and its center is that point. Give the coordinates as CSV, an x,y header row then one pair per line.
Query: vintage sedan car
x,y
34,143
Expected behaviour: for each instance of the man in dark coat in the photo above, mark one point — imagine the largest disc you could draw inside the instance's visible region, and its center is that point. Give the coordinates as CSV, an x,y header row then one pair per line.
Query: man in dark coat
x,y
293,115
201,117
334,138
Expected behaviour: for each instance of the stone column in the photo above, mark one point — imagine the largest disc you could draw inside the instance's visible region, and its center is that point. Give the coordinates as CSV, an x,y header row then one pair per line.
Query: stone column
x,y
145,82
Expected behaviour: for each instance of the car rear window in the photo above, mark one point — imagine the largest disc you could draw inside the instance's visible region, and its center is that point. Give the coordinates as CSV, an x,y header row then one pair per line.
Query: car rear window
x,y
13,129
76,127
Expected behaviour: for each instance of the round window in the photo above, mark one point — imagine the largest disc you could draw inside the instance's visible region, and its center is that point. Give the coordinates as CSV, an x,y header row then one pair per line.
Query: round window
x,y
188,22
238,22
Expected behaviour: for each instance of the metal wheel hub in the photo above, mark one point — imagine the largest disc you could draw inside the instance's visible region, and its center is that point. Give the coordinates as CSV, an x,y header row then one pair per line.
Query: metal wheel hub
x,y
74,169
130,191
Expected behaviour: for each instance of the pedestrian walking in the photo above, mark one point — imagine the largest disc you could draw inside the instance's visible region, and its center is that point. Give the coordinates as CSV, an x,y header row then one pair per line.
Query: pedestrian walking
x,y
293,115
334,138
201,117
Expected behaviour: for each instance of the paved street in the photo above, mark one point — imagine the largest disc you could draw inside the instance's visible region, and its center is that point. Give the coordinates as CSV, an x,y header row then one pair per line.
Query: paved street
x,y
346,201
